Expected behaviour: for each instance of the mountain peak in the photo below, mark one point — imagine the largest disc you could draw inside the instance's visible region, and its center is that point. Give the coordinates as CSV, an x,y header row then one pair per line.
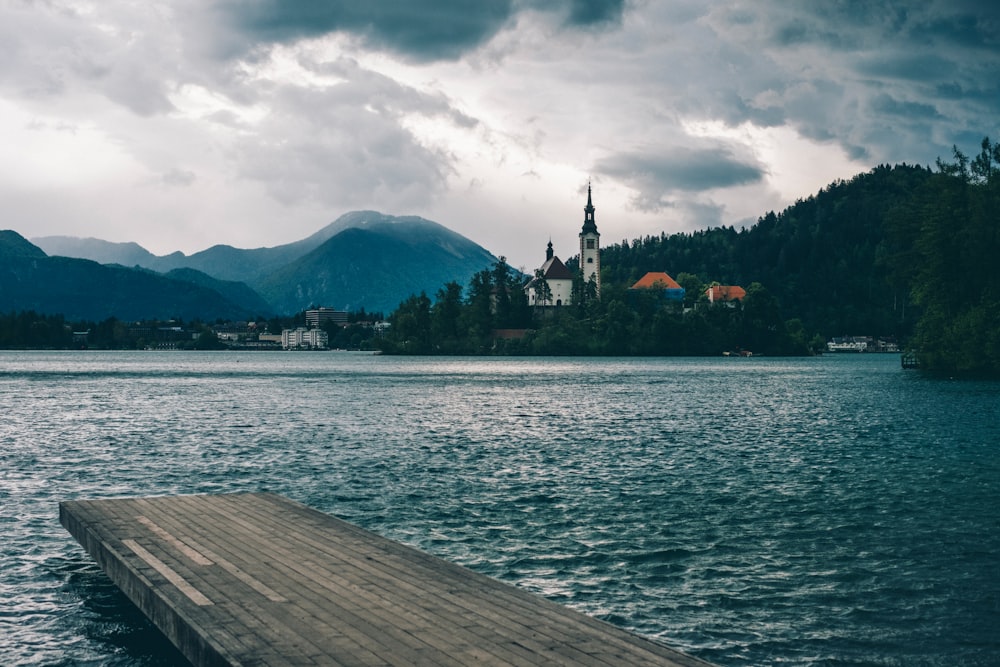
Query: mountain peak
x,y
359,220
13,244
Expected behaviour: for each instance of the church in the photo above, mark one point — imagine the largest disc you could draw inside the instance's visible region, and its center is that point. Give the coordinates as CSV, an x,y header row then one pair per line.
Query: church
x,y
553,282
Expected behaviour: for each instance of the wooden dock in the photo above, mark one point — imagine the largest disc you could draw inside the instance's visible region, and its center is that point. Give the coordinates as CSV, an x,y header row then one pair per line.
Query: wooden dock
x,y
257,579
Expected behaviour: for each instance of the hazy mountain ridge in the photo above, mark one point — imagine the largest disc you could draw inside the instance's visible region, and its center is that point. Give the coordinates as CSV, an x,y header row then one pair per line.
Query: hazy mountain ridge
x,y
81,289
104,252
226,262
364,259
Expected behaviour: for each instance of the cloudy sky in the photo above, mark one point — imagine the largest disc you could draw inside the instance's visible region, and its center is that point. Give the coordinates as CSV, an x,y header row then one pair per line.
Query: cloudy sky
x,y
185,123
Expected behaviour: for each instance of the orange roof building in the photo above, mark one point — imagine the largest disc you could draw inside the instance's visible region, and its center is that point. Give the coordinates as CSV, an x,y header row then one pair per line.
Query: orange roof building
x,y
655,280
725,293
660,281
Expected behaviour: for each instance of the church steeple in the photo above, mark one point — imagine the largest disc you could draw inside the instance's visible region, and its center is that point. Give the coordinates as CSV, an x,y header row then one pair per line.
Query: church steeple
x,y
548,251
589,226
590,247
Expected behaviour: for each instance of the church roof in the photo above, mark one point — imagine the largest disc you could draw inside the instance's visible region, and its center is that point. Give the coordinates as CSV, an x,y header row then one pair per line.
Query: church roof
x,y
554,269
656,280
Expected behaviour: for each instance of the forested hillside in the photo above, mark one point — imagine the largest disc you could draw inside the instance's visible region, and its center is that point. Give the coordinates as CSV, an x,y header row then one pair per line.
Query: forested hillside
x,y
946,247
826,259
905,252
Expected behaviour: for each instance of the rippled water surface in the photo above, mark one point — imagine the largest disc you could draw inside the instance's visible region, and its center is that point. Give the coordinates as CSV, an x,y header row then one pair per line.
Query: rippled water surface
x,y
829,511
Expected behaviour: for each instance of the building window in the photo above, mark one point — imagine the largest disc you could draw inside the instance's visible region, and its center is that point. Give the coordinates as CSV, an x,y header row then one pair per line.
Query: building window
x,y
590,244
590,260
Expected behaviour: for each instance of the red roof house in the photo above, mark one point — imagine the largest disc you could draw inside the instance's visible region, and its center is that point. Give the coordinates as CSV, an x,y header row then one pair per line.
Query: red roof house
x,y
725,293
658,281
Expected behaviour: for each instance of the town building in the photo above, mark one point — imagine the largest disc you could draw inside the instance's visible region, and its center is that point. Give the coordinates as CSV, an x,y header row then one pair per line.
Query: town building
x,y
317,316
302,338
726,294
657,281
235,331
270,338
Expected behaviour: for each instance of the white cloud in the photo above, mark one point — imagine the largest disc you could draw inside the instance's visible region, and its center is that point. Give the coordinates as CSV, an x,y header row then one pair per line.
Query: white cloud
x,y
253,122
48,153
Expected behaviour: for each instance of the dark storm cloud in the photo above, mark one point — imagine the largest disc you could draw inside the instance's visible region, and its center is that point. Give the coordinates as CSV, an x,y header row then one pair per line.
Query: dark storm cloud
x,y
975,26
595,12
894,80
857,24
656,175
907,66
419,31
886,104
422,31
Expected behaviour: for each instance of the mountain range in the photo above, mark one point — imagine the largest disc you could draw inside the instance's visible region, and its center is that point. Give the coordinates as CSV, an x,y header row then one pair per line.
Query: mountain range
x,y
364,259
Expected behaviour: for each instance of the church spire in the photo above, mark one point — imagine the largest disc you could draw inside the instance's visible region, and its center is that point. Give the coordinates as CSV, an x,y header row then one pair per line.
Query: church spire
x,y
589,226
590,247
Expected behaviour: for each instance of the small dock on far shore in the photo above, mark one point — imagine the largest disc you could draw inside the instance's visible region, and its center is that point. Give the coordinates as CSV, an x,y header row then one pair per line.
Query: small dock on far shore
x,y
258,579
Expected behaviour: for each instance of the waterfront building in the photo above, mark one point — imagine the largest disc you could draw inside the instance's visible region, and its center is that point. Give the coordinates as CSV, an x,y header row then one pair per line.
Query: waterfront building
x,y
302,338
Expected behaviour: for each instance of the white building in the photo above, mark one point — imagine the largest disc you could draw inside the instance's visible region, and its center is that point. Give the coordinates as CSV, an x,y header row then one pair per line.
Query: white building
x,y
559,279
302,338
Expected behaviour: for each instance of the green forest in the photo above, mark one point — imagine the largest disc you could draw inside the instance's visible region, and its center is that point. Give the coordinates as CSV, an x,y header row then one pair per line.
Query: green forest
x,y
901,252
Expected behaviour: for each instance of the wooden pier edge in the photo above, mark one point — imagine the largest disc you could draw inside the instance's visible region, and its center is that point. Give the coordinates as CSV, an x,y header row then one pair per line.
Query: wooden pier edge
x,y
259,579
171,620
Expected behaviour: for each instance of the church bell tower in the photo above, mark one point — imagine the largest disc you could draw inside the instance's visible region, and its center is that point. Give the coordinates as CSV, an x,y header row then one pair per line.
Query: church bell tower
x,y
590,247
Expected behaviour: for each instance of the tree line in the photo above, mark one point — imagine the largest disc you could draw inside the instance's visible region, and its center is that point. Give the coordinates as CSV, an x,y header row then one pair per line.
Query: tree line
x,y
32,330
493,317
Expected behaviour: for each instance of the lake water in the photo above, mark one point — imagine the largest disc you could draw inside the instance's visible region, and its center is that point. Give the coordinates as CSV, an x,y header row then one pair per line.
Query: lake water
x,y
827,511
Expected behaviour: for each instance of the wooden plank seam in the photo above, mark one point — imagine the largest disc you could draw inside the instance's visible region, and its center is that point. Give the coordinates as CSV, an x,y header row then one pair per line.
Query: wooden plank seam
x,y
201,555
169,574
194,555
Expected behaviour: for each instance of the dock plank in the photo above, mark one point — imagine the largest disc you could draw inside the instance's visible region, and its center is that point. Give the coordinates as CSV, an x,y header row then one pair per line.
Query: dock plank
x,y
360,580
518,633
258,579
